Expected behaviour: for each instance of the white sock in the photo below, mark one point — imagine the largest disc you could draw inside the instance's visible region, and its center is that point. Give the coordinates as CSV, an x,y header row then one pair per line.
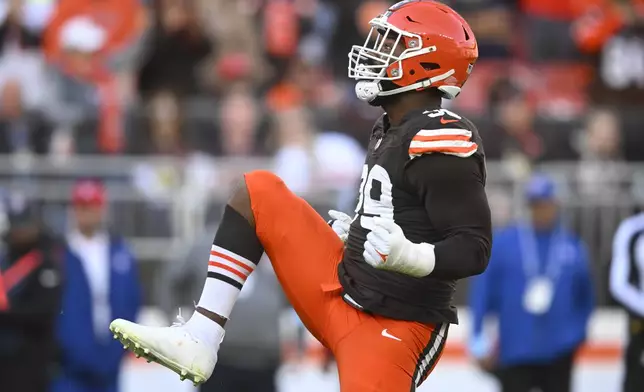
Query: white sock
x,y
227,273
206,329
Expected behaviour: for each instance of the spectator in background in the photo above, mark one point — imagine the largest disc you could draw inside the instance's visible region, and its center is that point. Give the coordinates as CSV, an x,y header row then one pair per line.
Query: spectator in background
x,y
178,45
239,116
101,283
511,136
77,99
21,131
232,27
600,170
30,277
249,360
166,126
90,45
21,62
538,286
602,179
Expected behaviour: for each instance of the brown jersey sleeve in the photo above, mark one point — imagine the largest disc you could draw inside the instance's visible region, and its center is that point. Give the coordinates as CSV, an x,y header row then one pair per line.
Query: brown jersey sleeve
x,y
452,189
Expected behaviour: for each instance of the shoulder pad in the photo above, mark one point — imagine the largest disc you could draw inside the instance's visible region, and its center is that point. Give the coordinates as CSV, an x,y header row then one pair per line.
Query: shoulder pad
x,y
443,132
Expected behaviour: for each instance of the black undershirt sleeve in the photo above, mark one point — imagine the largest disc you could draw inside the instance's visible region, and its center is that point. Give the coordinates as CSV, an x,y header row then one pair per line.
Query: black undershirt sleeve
x,y
453,191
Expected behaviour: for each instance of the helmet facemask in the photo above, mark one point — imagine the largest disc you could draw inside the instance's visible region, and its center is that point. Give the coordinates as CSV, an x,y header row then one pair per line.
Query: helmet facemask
x,y
385,45
378,63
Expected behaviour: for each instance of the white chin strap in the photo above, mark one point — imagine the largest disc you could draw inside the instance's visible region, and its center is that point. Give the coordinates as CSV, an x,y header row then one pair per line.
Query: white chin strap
x,y
368,90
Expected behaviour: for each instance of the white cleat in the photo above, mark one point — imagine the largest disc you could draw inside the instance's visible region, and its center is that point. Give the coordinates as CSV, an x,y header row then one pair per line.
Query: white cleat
x,y
173,347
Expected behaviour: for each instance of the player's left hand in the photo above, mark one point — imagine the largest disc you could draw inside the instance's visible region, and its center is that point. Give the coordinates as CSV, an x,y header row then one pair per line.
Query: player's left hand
x,y
387,248
340,223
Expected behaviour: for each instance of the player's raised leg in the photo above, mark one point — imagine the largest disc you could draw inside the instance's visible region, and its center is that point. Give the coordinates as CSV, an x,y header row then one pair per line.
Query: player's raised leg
x,y
262,214
190,349
303,249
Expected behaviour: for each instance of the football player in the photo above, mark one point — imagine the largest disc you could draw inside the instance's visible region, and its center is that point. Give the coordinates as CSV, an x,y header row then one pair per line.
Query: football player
x,y
376,289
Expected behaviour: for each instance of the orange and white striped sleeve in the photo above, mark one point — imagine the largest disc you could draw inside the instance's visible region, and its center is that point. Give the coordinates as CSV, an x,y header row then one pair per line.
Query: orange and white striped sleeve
x,y
450,141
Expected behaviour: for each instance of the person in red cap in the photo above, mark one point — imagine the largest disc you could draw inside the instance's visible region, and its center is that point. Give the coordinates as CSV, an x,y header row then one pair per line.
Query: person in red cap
x,y
101,283
88,200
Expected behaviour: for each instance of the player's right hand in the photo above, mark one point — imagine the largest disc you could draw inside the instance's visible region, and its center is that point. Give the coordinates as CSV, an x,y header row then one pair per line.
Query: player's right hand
x,y
387,248
340,223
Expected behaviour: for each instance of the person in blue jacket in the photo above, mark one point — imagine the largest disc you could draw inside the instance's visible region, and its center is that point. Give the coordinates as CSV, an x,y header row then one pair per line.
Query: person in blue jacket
x,y
101,282
539,288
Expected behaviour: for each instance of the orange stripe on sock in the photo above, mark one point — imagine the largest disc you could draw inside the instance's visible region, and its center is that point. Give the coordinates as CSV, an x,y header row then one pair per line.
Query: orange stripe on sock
x,y
232,260
227,268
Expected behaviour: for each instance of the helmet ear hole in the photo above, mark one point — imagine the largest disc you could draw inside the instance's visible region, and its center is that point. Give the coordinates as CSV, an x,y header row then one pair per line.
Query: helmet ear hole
x,y
430,66
467,36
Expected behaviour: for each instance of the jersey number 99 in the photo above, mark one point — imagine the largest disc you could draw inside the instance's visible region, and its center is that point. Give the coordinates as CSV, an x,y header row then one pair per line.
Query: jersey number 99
x,y
375,198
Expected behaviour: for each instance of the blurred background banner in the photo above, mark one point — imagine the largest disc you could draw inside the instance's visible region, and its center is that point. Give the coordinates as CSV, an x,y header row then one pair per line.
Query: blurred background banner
x,y
165,102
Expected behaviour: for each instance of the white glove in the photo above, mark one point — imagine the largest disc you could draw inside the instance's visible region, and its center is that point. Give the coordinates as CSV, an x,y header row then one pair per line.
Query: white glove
x,y
387,248
340,223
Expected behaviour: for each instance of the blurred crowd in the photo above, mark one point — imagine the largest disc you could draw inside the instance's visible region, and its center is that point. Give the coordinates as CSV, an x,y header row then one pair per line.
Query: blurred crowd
x,y
557,80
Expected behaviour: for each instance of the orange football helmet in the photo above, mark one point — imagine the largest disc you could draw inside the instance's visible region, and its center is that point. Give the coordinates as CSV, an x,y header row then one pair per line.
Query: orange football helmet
x,y
414,45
